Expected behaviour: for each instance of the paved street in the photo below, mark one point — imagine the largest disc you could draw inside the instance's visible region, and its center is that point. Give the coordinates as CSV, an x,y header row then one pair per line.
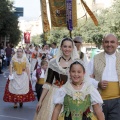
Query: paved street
x,y
7,112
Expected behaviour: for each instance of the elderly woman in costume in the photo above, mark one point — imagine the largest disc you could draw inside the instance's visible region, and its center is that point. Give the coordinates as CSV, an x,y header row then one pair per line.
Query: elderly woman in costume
x,y
56,77
18,88
77,96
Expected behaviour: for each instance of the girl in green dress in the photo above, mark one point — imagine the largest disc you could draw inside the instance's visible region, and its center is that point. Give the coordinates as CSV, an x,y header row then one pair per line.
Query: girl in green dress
x,y
78,97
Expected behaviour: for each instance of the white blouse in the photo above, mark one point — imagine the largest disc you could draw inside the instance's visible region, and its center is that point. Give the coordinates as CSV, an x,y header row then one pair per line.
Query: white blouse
x,y
87,88
34,78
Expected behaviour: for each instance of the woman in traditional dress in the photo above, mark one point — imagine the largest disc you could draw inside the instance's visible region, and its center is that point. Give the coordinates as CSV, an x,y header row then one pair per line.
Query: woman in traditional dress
x,y
56,76
28,53
77,96
18,88
35,55
42,52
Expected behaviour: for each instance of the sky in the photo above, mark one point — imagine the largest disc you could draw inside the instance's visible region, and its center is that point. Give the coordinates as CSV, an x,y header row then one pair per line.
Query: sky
x,y
31,8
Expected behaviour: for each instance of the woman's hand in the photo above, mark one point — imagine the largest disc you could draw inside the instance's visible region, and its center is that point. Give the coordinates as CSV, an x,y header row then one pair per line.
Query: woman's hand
x,y
44,93
38,107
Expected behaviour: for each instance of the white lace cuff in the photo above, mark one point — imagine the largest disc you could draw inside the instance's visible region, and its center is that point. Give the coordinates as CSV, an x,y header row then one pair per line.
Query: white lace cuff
x,y
46,86
11,77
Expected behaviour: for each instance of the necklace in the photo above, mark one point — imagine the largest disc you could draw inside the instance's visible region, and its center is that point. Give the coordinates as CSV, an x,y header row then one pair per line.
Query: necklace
x,y
78,84
66,59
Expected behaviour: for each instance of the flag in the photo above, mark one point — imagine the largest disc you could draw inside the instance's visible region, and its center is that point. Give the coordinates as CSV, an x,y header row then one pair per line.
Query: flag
x,y
27,37
58,13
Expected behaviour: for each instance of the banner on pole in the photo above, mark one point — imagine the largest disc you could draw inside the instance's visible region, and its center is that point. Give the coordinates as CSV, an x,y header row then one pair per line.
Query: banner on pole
x,y
69,14
27,37
45,22
58,13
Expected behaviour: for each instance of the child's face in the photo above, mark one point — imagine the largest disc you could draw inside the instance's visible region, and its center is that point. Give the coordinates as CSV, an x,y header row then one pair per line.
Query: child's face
x,y
45,66
45,59
77,73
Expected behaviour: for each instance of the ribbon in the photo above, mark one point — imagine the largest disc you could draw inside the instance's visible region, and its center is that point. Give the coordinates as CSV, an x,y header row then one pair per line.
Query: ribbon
x,y
69,14
90,13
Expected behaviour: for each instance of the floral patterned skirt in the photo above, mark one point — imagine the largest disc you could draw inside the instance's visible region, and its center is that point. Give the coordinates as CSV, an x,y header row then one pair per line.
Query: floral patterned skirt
x,y
47,107
10,97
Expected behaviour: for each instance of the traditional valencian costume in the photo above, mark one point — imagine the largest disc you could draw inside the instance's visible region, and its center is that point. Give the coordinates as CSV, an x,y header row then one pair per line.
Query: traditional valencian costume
x,y
34,57
38,78
41,54
19,89
77,104
28,53
56,77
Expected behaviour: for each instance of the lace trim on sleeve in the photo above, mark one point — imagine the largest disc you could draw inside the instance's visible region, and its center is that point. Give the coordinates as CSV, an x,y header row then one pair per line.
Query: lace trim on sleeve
x,y
46,86
58,98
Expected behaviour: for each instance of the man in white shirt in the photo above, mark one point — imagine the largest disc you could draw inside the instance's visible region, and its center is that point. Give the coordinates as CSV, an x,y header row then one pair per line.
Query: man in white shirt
x,y
105,68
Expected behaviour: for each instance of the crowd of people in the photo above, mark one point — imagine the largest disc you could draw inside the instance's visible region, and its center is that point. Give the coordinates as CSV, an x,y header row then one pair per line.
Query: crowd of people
x,y
68,87
5,55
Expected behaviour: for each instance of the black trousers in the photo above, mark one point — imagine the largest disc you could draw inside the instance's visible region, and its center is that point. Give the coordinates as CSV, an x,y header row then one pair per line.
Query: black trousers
x,y
38,88
111,109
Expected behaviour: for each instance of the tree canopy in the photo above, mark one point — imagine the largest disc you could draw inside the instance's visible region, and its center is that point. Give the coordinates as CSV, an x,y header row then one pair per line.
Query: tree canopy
x,y
8,21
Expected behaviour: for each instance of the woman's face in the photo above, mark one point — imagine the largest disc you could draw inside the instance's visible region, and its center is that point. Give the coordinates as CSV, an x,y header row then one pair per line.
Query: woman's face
x,y
44,47
19,52
67,48
77,73
36,48
47,47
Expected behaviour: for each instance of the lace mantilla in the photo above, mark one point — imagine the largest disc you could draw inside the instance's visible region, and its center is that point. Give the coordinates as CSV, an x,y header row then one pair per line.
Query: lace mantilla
x,y
78,94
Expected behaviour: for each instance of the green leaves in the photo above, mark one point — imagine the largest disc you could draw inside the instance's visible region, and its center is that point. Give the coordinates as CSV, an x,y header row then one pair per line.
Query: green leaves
x,y
8,21
97,39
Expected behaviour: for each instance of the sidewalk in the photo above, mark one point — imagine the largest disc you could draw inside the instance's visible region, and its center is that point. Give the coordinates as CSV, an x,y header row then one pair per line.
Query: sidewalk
x,y
7,112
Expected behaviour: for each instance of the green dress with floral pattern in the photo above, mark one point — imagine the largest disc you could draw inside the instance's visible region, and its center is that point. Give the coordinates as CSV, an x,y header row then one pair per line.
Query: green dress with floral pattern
x,y
76,107
77,104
